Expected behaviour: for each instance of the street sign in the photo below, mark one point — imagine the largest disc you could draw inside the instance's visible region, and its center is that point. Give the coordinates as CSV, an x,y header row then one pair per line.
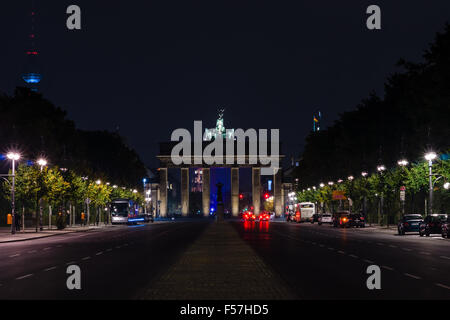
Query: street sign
x,y
339,195
402,188
402,195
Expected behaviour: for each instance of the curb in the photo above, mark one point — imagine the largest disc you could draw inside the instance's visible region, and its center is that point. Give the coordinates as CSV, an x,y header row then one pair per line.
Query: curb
x,y
46,236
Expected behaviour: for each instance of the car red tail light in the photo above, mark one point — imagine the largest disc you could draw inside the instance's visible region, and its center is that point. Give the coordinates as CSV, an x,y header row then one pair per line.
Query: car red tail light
x,y
406,224
362,218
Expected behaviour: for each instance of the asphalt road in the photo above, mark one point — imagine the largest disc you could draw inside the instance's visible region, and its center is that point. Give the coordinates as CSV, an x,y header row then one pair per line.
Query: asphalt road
x,y
322,262
117,263
316,262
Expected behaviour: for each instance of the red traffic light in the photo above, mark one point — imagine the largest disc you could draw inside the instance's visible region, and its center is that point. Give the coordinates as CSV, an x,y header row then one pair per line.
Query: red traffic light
x,y
241,196
266,196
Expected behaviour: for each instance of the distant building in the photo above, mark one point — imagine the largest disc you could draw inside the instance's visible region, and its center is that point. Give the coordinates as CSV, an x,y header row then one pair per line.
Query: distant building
x,y
317,118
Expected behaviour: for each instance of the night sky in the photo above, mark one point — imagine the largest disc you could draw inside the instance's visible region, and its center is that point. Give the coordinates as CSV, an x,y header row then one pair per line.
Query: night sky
x,y
151,67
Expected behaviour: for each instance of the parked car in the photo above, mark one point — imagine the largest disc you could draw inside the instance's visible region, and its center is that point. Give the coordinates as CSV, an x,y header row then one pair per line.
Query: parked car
x,y
432,224
325,218
409,223
445,229
357,220
341,219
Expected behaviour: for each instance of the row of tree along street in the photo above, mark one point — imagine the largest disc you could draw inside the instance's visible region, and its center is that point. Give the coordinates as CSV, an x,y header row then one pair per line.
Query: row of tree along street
x,y
33,127
379,194
63,193
409,121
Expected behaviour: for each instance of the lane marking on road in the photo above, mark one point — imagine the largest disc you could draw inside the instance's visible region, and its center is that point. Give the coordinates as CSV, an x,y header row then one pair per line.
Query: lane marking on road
x,y
118,247
108,250
70,262
32,251
426,253
412,276
380,244
99,253
407,249
321,245
442,286
444,257
388,268
51,268
341,252
126,244
25,276
330,248
368,261
15,255
392,246
59,246
48,248
85,258
353,256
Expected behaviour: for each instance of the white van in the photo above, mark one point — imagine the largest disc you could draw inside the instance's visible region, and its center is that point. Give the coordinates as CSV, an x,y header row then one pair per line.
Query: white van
x,y
307,211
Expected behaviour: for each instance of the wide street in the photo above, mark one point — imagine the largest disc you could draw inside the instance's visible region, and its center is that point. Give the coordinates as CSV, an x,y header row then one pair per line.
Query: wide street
x,y
310,261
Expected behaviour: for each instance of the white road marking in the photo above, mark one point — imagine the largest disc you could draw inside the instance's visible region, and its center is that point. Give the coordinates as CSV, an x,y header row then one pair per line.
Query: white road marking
x,y
353,256
118,247
70,262
330,248
368,261
412,276
392,246
321,245
407,249
48,248
32,251
426,253
86,258
380,244
341,252
108,250
25,276
99,253
51,268
388,268
15,255
442,286
444,257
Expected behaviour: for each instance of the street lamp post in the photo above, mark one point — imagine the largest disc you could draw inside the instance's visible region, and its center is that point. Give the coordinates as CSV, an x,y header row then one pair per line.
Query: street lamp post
x,y
430,157
381,169
42,163
403,163
13,156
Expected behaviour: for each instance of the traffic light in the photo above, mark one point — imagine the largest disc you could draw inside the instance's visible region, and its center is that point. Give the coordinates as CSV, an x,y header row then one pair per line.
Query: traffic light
x,y
266,195
241,196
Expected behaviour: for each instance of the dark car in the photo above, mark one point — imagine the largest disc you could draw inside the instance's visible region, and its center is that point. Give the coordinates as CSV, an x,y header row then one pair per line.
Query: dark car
x,y
341,219
315,217
432,224
357,220
445,229
409,223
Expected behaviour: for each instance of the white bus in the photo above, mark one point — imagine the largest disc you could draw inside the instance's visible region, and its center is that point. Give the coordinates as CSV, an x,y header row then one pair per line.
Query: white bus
x,y
307,211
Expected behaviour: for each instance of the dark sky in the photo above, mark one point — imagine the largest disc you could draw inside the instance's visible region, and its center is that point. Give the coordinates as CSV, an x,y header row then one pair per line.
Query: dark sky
x,y
151,67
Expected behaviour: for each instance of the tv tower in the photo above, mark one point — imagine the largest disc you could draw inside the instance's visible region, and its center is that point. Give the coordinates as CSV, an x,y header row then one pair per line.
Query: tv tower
x,y
32,76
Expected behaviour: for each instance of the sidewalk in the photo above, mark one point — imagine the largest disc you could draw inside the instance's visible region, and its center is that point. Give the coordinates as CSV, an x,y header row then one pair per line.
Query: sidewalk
x,y
219,265
31,234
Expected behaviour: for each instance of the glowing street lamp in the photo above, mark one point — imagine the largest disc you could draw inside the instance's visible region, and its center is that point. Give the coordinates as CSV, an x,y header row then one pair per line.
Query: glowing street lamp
x,y
322,185
350,178
381,168
42,163
447,185
98,182
13,156
403,163
364,174
330,183
430,156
